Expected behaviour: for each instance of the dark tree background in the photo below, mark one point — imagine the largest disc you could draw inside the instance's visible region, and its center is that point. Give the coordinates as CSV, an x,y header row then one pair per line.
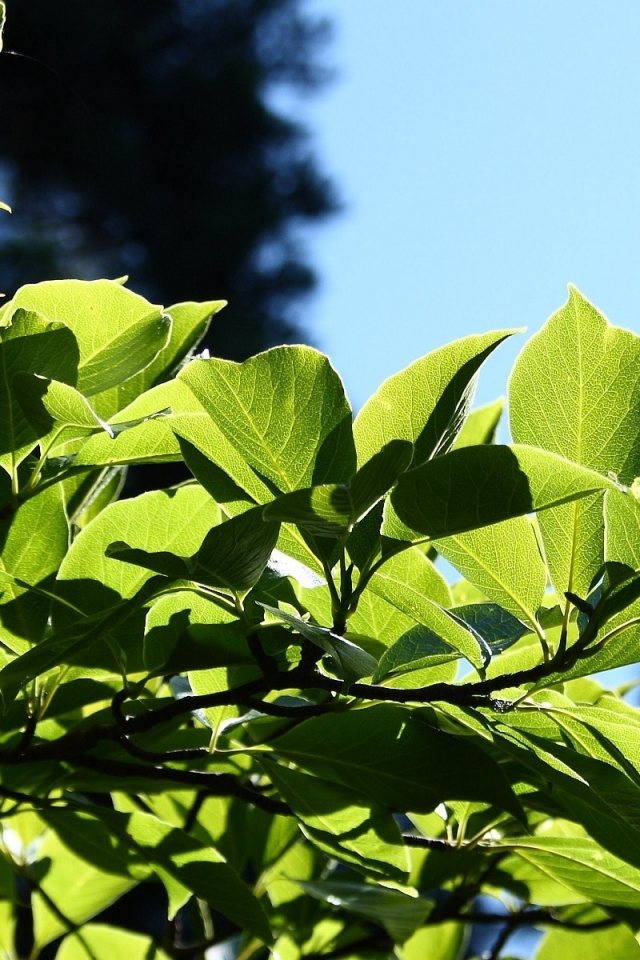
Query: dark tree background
x,y
138,138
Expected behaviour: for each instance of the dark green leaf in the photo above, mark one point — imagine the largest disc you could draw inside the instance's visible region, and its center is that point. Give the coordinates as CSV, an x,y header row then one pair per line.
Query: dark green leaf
x,y
405,763
476,486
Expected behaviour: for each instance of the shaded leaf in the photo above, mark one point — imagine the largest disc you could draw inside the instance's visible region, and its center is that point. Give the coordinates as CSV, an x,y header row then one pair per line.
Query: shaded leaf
x,y
364,831
332,509
353,661
404,762
399,913
496,626
476,486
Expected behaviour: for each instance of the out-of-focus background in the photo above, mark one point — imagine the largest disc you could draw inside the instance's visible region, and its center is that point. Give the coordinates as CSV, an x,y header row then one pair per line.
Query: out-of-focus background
x,y
478,157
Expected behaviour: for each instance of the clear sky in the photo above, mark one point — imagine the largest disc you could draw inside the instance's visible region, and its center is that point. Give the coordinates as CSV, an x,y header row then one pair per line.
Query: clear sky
x,y
488,153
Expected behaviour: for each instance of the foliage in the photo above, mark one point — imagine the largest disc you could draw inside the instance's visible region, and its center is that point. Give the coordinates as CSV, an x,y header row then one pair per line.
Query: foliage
x,y
145,138
257,690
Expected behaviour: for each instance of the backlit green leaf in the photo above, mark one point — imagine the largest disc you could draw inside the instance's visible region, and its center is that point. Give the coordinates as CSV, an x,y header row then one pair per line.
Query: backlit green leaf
x,y
504,561
426,403
33,544
97,941
575,391
189,323
118,332
31,344
332,509
50,403
284,411
614,943
480,426
409,598
582,865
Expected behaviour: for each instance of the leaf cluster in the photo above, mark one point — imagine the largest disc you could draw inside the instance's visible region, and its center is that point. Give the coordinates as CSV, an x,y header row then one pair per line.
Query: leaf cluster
x,y
258,690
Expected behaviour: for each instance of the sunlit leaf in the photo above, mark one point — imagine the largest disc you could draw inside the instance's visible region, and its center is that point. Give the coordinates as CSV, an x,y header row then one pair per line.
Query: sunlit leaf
x,y
426,403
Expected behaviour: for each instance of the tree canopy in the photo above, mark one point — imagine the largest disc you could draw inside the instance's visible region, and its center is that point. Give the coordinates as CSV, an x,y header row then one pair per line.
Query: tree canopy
x,y
256,694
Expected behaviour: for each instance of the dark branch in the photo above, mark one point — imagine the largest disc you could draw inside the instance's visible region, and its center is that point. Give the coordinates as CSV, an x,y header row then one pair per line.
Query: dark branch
x,y
213,784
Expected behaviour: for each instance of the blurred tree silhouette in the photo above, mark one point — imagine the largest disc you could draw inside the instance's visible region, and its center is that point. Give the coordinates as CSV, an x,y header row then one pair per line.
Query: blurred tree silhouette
x,y
139,138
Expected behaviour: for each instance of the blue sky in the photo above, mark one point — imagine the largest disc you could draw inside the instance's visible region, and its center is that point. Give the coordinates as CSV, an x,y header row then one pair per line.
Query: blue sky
x,y
488,154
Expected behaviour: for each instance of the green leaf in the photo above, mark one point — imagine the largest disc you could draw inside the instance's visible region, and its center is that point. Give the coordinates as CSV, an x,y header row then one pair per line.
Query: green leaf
x,y
605,734
46,403
404,762
31,344
575,391
412,601
411,573
353,662
72,643
166,849
415,650
97,941
78,887
202,433
374,617
332,509
284,411
426,403
593,793
213,681
504,561
399,913
234,554
118,332
622,528
584,866
494,624
481,426
213,478
143,430
190,322
33,544
477,486
438,941
185,631
614,943
175,521
364,831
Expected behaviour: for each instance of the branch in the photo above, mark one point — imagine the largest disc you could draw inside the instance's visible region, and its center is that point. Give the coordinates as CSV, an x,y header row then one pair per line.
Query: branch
x,y
534,917
213,784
